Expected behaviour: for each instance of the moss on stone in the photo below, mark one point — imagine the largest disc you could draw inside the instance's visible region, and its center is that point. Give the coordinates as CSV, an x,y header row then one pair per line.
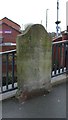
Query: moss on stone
x,y
34,58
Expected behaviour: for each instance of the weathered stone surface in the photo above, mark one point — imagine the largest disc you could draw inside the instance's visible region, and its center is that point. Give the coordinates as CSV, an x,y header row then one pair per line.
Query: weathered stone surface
x,y
33,60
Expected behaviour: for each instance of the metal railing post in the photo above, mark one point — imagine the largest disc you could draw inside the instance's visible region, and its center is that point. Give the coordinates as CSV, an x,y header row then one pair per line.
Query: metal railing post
x,y
7,71
13,70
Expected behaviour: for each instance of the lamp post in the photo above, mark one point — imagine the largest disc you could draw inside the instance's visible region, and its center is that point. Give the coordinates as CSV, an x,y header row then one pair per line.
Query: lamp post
x,y
67,16
46,18
57,22
41,22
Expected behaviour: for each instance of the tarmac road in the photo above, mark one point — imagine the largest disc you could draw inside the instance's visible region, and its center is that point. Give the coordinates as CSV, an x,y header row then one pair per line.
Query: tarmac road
x,y
52,105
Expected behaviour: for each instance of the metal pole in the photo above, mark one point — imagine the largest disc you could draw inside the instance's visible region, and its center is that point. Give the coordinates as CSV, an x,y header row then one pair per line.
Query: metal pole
x,y
46,18
57,15
41,22
57,8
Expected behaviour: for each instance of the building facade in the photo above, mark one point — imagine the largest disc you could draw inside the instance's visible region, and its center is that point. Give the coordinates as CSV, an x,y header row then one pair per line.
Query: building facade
x,y
8,33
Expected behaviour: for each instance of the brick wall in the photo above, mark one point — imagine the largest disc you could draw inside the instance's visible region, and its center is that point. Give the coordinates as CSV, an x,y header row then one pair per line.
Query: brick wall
x,y
11,23
8,48
11,36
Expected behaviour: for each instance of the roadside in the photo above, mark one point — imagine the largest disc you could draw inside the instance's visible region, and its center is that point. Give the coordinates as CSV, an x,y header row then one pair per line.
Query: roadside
x,y
52,105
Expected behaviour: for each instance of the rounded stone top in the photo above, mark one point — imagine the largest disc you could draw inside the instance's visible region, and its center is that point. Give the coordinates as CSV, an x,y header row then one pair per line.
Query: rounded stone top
x,y
33,26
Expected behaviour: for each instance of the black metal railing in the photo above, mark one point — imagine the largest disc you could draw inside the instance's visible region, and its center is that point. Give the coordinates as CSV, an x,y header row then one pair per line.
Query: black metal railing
x,y
9,74
9,77
59,58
